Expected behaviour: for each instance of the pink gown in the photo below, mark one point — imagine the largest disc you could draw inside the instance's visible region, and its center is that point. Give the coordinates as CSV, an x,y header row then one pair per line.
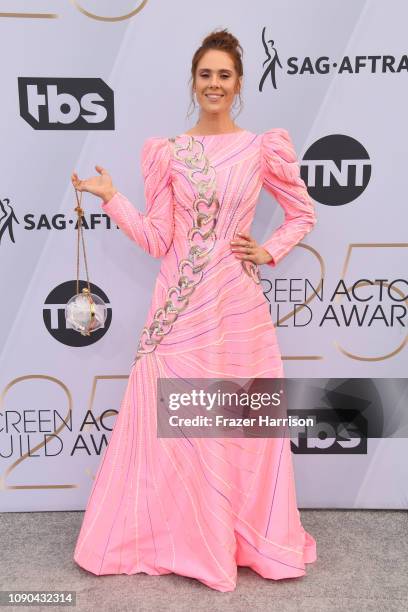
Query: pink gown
x,y
200,507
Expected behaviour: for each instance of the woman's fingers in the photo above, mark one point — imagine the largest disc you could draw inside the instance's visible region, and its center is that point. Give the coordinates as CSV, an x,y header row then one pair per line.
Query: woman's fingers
x,y
246,250
101,170
80,185
243,239
244,235
244,247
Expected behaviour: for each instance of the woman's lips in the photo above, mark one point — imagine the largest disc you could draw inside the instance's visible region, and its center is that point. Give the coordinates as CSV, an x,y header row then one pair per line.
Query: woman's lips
x,y
214,97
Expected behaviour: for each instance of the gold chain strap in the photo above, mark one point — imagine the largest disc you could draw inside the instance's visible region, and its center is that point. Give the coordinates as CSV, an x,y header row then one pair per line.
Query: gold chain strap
x,y
80,238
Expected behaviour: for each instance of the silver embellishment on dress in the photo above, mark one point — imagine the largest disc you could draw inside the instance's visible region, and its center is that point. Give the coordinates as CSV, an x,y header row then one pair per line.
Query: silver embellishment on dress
x,y
251,269
191,267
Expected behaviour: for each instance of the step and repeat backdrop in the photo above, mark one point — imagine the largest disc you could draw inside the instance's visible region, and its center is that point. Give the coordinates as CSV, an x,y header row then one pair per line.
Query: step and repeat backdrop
x,y
86,82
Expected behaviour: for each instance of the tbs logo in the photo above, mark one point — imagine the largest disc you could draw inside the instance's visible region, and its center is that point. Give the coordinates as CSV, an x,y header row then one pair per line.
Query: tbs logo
x,y
339,431
66,104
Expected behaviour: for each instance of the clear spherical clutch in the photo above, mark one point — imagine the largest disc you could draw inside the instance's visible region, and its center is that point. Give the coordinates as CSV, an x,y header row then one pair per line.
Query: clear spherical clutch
x,y
85,312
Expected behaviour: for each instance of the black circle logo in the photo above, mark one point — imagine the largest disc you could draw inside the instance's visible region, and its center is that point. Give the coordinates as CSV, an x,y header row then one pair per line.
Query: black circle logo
x,y
54,314
336,169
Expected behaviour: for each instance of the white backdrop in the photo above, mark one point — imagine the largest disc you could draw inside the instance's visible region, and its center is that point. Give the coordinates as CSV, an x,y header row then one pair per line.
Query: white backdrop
x,y
340,89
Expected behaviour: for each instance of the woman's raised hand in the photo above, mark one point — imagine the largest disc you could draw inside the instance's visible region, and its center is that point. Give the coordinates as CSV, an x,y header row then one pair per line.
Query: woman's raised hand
x,y
97,185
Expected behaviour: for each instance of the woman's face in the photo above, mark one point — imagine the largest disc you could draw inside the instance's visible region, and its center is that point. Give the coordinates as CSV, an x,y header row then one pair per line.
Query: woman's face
x,y
216,82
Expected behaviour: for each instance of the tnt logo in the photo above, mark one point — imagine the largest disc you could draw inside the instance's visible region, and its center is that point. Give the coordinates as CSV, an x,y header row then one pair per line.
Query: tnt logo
x,y
336,169
54,314
66,104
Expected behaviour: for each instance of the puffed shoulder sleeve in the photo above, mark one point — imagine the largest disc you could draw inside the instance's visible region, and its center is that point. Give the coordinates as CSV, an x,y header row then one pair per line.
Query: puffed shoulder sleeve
x,y
153,230
281,178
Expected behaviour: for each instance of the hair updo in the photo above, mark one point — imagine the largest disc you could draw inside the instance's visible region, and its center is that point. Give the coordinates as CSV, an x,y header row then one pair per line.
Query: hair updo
x,y
221,40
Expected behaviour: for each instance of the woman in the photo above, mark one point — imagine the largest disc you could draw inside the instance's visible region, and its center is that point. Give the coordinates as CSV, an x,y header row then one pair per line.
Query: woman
x,y
201,506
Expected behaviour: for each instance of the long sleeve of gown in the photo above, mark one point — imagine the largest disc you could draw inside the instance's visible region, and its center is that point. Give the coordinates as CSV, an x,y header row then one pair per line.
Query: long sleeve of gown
x,y
281,178
153,230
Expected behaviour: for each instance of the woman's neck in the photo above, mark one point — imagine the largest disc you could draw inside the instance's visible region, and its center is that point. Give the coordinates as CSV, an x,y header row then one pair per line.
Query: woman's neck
x,y
214,125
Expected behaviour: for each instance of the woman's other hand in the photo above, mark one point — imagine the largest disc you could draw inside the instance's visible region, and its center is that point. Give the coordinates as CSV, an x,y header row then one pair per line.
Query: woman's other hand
x,y
97,185
246,247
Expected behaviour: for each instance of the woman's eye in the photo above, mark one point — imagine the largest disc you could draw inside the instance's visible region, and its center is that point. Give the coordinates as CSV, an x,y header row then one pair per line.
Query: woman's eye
x,y
224,76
